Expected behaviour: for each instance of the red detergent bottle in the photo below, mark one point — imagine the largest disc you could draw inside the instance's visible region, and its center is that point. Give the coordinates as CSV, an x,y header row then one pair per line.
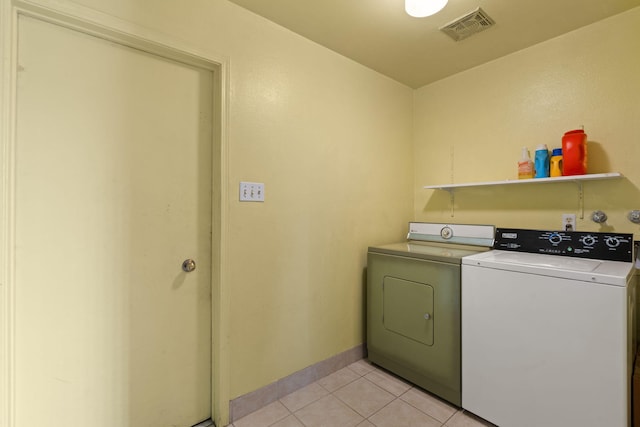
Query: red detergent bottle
x,y
574,153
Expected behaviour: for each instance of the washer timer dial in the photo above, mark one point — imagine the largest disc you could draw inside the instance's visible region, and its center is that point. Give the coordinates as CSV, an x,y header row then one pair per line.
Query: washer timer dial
x,y
588,240
555,238
612,242
446,233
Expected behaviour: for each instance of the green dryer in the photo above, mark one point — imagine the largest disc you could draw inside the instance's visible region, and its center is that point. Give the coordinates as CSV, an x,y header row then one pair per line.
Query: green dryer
x,y
413,304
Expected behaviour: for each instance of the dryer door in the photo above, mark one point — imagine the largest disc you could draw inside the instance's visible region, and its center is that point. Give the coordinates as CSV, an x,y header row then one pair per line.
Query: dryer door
x,y
413,321
407,309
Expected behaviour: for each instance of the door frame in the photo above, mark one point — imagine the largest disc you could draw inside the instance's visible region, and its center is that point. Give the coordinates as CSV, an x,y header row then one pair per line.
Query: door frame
x,y
98,24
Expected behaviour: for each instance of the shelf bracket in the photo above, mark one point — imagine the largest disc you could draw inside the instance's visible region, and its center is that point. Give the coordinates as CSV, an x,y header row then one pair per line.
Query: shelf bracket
x,y
452,200
580,198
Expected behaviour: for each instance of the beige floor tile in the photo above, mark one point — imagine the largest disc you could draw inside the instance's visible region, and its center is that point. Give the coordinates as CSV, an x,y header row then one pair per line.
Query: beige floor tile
x,y
290,421
365,423
467,419
304,396
399,413
264,417
338,379
361,367
429,404
364,397
328,412
388,382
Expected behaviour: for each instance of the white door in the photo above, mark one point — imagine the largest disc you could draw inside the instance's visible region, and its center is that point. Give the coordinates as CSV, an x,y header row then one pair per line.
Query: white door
x,y
113,193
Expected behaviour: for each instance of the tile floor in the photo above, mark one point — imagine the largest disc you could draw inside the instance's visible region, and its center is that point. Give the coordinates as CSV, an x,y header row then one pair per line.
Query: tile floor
x,y
360,395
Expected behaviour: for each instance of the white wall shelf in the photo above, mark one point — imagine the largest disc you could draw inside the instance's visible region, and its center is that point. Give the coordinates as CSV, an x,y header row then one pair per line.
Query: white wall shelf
x,y
575,179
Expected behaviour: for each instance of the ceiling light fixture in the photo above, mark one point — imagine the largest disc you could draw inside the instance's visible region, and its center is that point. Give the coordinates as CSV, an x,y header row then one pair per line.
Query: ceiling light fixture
x,y
423,8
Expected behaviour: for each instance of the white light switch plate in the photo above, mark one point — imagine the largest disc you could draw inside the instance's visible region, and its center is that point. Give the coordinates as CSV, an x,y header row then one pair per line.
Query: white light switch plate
x,y
251,192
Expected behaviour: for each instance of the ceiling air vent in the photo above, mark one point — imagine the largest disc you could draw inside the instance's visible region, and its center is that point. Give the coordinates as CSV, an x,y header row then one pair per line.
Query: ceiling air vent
x,y
468,25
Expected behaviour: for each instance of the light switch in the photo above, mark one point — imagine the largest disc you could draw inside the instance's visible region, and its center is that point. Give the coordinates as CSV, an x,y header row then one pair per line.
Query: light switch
x,y
251,191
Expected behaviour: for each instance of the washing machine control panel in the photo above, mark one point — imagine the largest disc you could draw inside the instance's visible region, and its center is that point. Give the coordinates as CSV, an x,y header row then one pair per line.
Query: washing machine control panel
x,y
593,245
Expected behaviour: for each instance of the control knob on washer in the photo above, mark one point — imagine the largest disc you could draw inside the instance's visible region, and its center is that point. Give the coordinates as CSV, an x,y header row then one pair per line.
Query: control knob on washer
x,y
555,238
588,240
612,242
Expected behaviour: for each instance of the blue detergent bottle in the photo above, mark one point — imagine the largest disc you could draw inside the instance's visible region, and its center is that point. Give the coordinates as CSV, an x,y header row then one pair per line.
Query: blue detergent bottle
x,y
541,162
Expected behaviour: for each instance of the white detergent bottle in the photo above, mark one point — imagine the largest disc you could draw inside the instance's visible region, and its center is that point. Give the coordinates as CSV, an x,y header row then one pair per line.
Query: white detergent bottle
x,y
525,165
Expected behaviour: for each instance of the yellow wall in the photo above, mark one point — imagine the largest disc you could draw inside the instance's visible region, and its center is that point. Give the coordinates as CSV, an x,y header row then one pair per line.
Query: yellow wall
x,y
331,140
471,127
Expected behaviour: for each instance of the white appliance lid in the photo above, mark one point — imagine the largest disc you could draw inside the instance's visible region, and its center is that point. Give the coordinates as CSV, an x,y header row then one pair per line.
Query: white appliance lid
x,y
616,273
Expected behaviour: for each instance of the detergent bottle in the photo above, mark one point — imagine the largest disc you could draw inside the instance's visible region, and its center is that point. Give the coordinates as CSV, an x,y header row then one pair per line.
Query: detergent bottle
x,y
525,165
574,153
542,161
556,162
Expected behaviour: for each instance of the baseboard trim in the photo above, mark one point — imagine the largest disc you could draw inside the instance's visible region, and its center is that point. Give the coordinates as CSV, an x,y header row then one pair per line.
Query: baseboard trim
x,y
250,402
206,423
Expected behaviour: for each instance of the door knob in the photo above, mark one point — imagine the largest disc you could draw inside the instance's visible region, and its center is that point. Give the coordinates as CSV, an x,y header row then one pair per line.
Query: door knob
x,y
188,265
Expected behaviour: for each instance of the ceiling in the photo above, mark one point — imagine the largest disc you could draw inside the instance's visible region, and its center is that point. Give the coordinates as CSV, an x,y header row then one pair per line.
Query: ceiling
x,y
381,36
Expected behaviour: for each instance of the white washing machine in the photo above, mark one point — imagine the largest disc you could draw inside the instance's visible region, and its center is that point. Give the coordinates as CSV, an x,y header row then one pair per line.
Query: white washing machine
x,y
548,329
